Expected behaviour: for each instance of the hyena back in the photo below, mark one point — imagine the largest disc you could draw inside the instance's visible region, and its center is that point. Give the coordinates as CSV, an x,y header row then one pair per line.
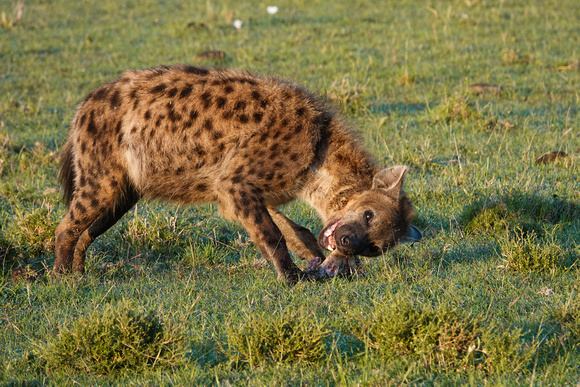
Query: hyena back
x,y
249,143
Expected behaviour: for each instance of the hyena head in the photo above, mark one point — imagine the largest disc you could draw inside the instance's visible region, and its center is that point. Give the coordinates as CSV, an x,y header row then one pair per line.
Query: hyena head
x,y
374,220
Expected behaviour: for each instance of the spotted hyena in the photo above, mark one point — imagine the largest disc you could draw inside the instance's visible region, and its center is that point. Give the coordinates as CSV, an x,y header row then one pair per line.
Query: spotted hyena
x,y
249,143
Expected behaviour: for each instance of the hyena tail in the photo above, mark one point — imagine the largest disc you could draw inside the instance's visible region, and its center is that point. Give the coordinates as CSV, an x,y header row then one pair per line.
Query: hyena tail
x,y
67,171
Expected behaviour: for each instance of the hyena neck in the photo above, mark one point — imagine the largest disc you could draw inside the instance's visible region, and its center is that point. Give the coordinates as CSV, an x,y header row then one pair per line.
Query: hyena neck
x,y
345,170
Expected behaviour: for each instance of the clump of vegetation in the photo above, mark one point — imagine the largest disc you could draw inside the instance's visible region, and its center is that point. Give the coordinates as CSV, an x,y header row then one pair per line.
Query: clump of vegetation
x,y
445,339
506,351
29,237
455,108
441,338
523,211
526,252
567,316
287,337
117,341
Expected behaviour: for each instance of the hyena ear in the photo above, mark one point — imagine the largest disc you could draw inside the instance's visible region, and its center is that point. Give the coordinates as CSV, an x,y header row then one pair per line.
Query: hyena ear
x,y
391,179
413,235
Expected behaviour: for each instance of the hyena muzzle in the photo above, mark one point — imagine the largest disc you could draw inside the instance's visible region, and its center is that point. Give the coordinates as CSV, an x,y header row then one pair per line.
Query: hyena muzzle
x,y
249,143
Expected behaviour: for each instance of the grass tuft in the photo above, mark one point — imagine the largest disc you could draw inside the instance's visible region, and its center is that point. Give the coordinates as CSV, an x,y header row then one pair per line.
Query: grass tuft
x,y
454,108
525,252
119,340
506,351
287,337
517,210
441,338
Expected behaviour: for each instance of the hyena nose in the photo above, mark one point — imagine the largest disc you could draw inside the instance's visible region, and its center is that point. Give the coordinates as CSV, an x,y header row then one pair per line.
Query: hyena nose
x,y
345,241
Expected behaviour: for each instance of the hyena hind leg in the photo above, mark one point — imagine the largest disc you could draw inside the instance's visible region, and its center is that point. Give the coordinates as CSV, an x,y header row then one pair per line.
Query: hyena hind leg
x,y
101,225
299,239
88,204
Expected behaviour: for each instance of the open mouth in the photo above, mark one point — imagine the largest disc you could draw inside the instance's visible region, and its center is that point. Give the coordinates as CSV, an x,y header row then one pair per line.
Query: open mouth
x,y
328,241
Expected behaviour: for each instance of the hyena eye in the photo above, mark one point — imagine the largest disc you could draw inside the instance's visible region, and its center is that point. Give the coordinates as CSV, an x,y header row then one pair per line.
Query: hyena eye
x,y
369,215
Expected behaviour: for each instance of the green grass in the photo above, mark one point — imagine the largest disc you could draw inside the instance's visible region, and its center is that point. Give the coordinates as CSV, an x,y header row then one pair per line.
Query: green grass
x,y
489,296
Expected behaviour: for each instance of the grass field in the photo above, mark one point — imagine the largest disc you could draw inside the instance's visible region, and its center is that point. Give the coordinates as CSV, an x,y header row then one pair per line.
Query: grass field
x,y
171,297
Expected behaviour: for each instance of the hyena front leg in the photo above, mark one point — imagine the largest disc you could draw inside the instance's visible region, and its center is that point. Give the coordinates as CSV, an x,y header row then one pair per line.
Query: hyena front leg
x,y
299,239
247,205
126,201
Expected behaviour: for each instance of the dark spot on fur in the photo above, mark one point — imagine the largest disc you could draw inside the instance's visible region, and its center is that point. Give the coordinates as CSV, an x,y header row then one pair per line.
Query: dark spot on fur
x,y
206,99
257,117
80,207
236,179
240,105
216,135
201,187
263,137
171,93
171,113
258,218
207,124
119,126
158,89
83,147
186,91
256,96
180,170
270,176
195,70
100,94
92,128
156,72
82,120
115,100
294,157
220,102
284,122
147,115
133,94
119,139
298,128
287,137
193,115
228,89
263,103
243,118
300,112
228,115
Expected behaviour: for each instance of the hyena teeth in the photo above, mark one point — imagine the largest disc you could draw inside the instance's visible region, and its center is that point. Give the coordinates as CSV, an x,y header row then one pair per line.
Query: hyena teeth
x,y
249,143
